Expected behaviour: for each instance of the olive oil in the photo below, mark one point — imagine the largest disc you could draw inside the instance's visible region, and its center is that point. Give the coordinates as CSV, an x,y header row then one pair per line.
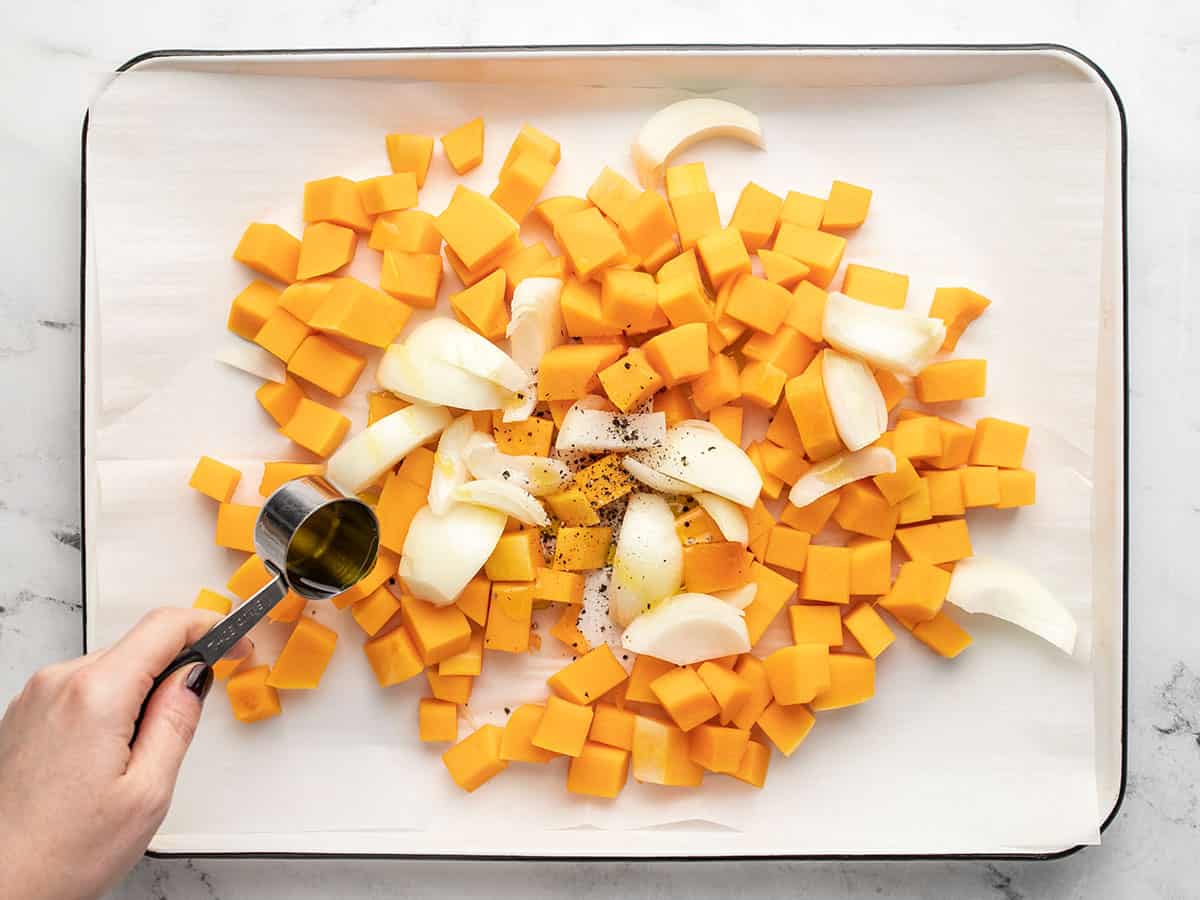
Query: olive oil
x,y
333,548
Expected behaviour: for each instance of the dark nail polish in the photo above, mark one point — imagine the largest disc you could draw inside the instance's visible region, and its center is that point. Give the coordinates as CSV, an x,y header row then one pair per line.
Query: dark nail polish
x,y
199,680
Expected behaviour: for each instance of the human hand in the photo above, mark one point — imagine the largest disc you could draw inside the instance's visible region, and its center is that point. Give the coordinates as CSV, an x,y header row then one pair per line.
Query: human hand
x,y
78,804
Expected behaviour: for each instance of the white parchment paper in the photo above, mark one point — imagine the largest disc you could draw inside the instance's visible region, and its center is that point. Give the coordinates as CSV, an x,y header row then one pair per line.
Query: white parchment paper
x,y
997,185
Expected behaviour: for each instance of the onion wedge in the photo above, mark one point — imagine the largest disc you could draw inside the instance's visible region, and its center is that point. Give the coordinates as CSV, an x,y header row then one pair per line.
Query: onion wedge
x,y
682,124
648,562
697,453
536,474
995,588
689,628
505,497
892,339
859,410
377,448
730,518
588,427
839,470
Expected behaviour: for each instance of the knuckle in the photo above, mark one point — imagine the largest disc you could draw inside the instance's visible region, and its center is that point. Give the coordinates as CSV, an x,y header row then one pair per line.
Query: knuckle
x,y
159,617
86,692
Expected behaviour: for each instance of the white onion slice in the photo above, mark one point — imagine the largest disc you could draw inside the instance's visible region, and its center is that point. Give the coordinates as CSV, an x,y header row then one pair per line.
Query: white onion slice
x,y
656,480
1007,591
696,452
730,518
893,339
505,497
859,410
442,553
422,379
453,342
254,360
682,124
648,562
689,628
536,326
450,463
536,474
830,474
738,597
378,447
586,427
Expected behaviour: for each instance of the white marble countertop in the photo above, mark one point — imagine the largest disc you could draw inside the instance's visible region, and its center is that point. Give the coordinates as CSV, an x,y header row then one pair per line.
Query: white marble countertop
x,y
57,54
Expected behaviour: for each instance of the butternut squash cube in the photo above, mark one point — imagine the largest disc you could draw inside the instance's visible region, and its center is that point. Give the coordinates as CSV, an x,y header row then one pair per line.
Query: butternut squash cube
x,y
864,510
410,153
399,502
916,506
335,200
582,312
755,762
282,334
589,677
289,609
820,251
956,445
719,385
413,278
753,673
787,349
528,437
303,298
315,427
481,306
826,575
228,664
604,481
810,410
646,669
756,215
877,286
614,195
980,486
304,657
675,404
589,240
454,689
728,420
678,266
696,217
554,209
761,383
438,632
570,371
945,493
476,759
958,307
870,567
772,486
953,379
697,527
521,181
516,744
802,209
612,726
388,193
251,309
521,263
474,600
786,726
662,755
393,657
782,430
629,300
682,300
406,231
816,625
774,591
808,310
760,522
475,227
235,526
1017,487
468,662
685,697
213,602
385,567
919,438
811,518
787,548
566,629
851,681
869,629
942,635
686,178
249,578
630,381
327,364
510,616
999,443
718,749
681,354
214,479
375,610
724,255
464,146
563,728
785,464
553,586
517,557
269,250
891,388
798,673
582,549
571,507
250,697
715,566
437,721
781,269
937,542
846,208
728,688
648,228
361,313
895,486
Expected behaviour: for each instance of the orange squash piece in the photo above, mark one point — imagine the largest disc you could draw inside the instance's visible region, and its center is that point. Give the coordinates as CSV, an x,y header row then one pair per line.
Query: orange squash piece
x,y
715,566
570,371
680,354
820,251
282,334
810,411
475,760
410,153
304,657
958,307
214,479
252,307
846,208
802,209
589,240
464,146
269,250
475,227
315,427
724,255
327,364
388,193
393,657
408,231
250,697
335,200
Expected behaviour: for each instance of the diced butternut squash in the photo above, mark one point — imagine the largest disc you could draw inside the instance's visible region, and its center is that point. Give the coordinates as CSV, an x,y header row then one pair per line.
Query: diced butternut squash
x,y
916,506
269,250
728,688
846,208
718,749
464,146
696,217
454,689
315,427
826,575
467,662
945,493
304,657
759,303
572,508
980,485
648,228
772,486
250,697
250,577
773,592
361,313
787,348
816,625
399,502
438,632
715,566
697,527
820,251
662,755
810,410
957,440
282,334
802,209
811,518
1017,487
685,697
937,543
521,263
864,510
723,255
214,479
682,300
570,371
876,286
528,437
554,586
327,364
393,657
437,721
895,486
870,567
252,307
589,677
481,306
410,153
554,209
630,381
475,760
581,310
235,526
474,600
598,771
756,216
213,602
475,227
614,195
781,269
719,385
798,673
787,548
629,300
954,379
869,629
999,443
388,193
604,481
564,727
919,592
386,563
406,231
782,430
680,354
786,726
958,308
589,240
612,726
303,298
510,616
532,140
851,681
918,438
375,610
942,635
761,383
412,278
516,744
521,182
517,557
728,420
289,609
759,523
808,310
335,200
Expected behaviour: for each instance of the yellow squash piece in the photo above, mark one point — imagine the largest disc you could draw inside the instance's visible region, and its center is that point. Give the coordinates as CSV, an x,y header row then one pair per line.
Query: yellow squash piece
x,y
510,617
475,760
437,721
252,307
589,677
869,629
826,575
685,697
464,146
718,749
851,681
564,727
410,153
958,307
304,657
393,657
251,698
335,200
846,208
877,286
662,755
598,771
215,479
325,248
269,250
315,427
786,726
816,624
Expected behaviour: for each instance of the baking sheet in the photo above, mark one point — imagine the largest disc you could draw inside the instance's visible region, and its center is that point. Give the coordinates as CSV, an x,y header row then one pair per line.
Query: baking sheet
x,y
999,185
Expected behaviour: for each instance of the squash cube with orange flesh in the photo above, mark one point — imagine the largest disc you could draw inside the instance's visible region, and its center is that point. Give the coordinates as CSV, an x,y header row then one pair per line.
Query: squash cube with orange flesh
x,y
250,697
782,430
916,506
756,215
648,227
629,300
251,309
564,727
303,298
685,697
870,566
813,517
282,334
798,673
759,303
235,526
697,527
630,381
999,443
869,629
761,383
554,586
612,725
719,385
730,690
510,617
527,437
399,502
895,486
570,371
788,548
718,749
917,438
475,760
604,481
826,575
589,240
571,506
517,557
315,427
786,726
614,195
566,630
682,300
475,227
891,388
327,364
289,609
696,217
335,200
521,182
783,463
589,677
521,263
361,313
213,602
816,624
304,657
451,688
407,231
437,721
467,662
937,542
516,745
820,251
1017,487
481,306
753,673
680,354
675,404
686,178
864,510
846,208
802,209
393,657
375,610
532,140
646,669
386,563
980,486
808,310
410,153
554,209
715,566
774,591
728,420
249,578
810,410
781,269
437,631
876,286
412,278
724,330
388,193
942,635
787,348
945,493
582,313
662,755
851,681
953,379
214,479
598,771
760,522
724,255
772,486
464,146
269,250
474,600
958,307
957,440
755,762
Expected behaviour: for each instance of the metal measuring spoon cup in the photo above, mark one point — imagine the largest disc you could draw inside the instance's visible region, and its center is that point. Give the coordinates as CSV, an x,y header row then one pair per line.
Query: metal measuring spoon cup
x,y
312,539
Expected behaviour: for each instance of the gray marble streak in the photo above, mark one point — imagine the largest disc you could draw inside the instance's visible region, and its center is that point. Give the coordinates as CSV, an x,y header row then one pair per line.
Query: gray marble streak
x,y
57,55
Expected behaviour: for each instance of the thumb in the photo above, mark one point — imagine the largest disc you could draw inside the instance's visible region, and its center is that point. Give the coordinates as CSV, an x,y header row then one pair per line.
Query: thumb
x,y
169,724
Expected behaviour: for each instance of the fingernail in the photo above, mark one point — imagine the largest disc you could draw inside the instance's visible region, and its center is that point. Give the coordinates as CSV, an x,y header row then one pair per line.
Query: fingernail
x,y
199,680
